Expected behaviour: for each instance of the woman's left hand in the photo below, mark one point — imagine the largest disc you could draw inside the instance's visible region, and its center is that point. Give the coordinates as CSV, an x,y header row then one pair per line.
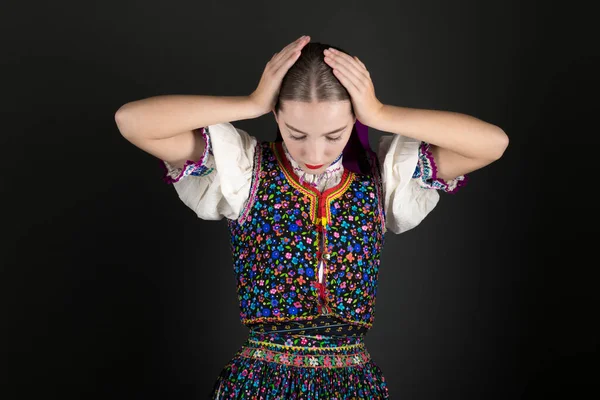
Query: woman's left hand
x,y
355,77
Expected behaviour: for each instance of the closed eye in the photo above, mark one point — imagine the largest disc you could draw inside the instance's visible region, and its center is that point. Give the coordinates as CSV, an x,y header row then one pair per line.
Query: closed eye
x,y
335,139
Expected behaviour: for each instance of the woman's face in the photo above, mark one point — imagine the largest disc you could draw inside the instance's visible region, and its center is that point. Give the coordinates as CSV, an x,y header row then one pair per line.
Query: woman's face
x,y
314,133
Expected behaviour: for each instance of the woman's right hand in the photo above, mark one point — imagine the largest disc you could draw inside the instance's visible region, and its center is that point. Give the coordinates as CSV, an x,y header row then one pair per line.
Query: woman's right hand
x,y
265,95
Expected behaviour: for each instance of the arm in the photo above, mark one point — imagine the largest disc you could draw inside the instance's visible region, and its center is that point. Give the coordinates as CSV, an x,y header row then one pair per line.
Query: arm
x,y
162,117
459,143
168,126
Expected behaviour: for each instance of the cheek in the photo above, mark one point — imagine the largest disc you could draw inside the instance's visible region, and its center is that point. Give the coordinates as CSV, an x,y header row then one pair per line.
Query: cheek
x,y
296,149
336,148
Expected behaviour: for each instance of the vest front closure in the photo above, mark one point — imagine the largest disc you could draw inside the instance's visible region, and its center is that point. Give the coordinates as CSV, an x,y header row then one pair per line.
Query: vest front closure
x,y
323,256
321,215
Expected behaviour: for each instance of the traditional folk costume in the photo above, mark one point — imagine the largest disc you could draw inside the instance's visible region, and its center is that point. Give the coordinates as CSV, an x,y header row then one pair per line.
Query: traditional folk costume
x,y
306,253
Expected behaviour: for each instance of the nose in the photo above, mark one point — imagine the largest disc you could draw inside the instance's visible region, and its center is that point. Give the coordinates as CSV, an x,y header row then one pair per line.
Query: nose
x,y
315,155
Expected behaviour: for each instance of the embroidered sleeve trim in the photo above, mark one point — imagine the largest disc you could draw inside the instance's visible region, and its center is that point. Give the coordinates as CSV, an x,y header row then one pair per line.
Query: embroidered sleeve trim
x,y
193,168
426,173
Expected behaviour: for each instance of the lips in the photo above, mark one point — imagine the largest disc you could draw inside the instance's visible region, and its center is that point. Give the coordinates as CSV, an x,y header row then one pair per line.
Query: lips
x,y
313,166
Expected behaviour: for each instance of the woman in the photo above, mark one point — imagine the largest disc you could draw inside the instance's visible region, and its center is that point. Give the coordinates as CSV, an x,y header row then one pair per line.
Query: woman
x,y
308,212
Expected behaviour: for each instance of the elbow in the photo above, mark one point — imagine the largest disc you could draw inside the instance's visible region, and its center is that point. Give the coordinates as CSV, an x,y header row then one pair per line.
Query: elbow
x,y
499,144
122,118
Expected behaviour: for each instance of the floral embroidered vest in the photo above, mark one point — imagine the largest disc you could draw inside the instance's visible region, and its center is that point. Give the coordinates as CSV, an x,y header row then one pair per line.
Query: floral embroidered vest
x,y
287,227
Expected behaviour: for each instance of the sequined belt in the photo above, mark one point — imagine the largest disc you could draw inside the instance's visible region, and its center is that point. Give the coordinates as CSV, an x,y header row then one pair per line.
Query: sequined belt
x,y
323,325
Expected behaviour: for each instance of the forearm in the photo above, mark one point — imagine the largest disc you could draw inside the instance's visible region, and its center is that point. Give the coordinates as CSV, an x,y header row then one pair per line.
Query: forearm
x,y
161,117
460,133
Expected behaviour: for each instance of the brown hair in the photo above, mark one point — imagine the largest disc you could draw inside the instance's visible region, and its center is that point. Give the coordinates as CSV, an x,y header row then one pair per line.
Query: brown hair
x,y
311,79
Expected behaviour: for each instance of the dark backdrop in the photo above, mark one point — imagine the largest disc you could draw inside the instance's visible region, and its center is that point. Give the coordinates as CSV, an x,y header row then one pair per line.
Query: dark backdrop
x,y
113,288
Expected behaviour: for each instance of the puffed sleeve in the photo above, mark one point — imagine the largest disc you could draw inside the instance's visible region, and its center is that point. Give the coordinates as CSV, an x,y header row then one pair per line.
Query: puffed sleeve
x,y
410,185
218,184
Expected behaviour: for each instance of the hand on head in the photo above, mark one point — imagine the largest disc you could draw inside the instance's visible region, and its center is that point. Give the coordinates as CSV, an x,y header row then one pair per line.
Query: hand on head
x,y
265,95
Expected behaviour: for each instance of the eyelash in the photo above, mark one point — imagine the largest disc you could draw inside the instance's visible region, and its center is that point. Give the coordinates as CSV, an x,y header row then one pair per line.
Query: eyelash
x,y
330,139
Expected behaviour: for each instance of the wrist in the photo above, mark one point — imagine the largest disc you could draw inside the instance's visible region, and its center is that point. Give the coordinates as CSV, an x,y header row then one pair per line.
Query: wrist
x,y
375,118
255,106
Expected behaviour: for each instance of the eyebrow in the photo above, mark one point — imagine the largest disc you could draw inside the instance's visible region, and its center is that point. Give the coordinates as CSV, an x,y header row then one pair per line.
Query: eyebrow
x,y
325,134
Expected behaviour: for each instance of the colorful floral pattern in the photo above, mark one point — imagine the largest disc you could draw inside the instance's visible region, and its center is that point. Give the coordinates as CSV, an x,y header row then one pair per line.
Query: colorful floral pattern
x,y
289,228
289,366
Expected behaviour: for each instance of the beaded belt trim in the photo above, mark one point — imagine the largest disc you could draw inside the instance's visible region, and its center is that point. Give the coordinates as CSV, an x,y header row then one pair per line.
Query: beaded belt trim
x,y
306,360
283,346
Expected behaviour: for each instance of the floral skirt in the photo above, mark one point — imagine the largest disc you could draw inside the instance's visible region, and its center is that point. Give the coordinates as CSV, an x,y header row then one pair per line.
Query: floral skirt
x,y
291,366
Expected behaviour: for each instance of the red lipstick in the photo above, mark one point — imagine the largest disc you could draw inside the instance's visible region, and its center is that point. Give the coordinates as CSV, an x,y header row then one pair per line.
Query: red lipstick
x,y
313,166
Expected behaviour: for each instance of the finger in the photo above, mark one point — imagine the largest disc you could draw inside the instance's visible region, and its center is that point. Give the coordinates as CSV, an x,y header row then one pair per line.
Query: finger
x,y
300,42
350,71
362,65
347,82
294,44
290,45
354,61
289,54
353,66
286,64
283,64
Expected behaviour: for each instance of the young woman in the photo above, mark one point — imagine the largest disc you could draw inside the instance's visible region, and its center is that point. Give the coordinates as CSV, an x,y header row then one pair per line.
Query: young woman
x,y
308,211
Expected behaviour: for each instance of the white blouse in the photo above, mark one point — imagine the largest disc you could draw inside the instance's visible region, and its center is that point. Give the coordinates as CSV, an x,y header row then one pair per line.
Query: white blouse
x,y
218,185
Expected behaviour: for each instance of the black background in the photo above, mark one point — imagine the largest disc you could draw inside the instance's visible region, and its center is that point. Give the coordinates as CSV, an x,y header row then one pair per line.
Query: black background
x,y
112,288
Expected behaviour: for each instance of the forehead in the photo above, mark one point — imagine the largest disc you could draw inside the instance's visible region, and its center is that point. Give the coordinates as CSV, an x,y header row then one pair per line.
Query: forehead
x,y
316,117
